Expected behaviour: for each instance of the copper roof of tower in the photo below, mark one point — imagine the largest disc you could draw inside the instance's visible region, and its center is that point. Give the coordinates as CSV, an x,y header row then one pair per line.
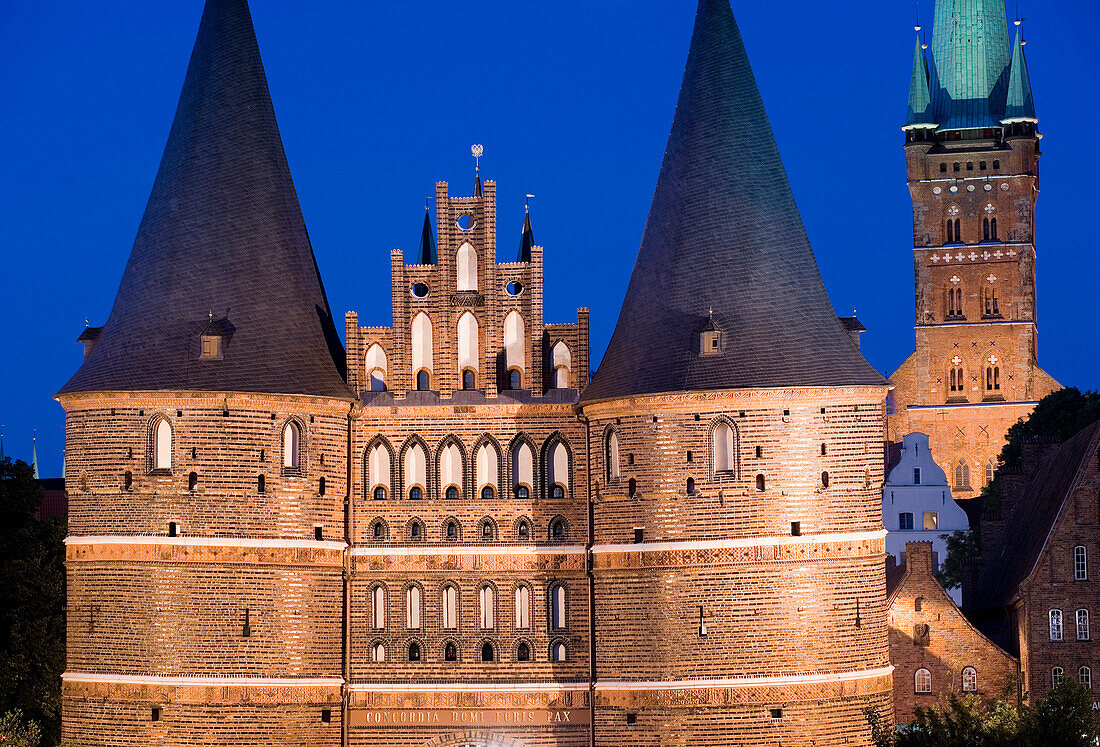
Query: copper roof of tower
x,y
222,237
724,235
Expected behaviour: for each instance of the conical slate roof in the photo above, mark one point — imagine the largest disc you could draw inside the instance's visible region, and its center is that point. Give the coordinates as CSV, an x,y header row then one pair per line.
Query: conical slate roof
x,y
222,238
427,255
724,236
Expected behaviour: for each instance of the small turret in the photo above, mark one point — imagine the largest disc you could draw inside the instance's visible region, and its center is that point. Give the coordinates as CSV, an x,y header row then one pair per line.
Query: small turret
x,y
919,113
527,239
1019,106
427,254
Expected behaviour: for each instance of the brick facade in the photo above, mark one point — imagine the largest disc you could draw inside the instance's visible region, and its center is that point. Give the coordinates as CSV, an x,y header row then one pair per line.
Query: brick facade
x,y
928,632
975,370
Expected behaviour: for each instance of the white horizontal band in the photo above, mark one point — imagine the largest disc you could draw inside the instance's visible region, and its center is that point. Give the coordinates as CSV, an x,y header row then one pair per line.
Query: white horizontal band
x,y
448,550
153,679
742,682
1029,405
141,539
466,687
805,539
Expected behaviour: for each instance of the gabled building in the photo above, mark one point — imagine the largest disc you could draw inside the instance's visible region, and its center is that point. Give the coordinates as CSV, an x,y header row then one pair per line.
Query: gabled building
x,y
1036,588
972,165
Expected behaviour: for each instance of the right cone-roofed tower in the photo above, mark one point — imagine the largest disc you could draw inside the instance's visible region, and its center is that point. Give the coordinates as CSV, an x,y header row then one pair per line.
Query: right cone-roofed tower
x,y
738,561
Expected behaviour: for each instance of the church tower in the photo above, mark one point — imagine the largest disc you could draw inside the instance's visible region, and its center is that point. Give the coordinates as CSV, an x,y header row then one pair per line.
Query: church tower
x,y
738,556
972,164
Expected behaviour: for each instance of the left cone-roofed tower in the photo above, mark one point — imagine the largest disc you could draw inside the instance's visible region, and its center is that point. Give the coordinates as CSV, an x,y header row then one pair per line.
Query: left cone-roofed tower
x,y
206,447
738,561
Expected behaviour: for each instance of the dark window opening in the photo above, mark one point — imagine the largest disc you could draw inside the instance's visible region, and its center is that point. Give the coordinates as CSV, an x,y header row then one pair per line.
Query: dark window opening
x,y
261,484
639,535
690,457
263,456
557,530
943,168
557,492
452,530
321,486
487,652
796,528
522,492
996,165
379,493
523,653
691,486
319,533
776,713
192,481
824,479
172,529
916,475
632,487
970,166
487,531
326,716
450,652
155,715
956,167
514,380
983,165
487,493
414,652
414,531
451,493
917,604
128,481
194,453
523,530
422,381
378,531
824,449
760,483
759,452
415,493
631,719
468,379
993,229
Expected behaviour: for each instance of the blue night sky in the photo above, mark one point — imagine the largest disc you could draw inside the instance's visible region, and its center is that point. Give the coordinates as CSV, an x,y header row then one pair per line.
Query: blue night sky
x,y
573,102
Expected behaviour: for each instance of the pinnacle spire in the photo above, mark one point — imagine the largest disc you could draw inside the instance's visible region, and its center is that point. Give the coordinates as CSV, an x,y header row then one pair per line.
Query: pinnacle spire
x,y
920,100
34,458
427,255
1019,105
527,238
724,233
222,230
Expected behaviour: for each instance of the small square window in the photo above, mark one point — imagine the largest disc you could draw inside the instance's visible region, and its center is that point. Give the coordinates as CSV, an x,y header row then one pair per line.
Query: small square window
x,y
211,347
930,519
631,719
155,715
776,713
326,716
905,521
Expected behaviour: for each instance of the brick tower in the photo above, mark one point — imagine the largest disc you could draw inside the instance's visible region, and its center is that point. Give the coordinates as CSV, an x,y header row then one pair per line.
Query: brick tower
x,y
738,557
206,437
972,163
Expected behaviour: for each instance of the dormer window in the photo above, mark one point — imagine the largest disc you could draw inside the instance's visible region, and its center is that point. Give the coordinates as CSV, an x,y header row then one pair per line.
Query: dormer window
x,y
711,343
211,347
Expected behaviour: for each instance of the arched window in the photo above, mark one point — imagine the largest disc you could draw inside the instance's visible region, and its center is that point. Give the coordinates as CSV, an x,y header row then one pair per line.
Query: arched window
x,y
423,381
557,607
993,378
450,471
468,349
1055,617
922,681
452,530
379,530
487,604
958,382
523,652
487,469
379,607
562,361
450,607
515,345
450,652
611,456
970,680
993,229
416,471
378,471
468,380
918,603
1082,625
292,439
824,479
523,469
261,484
379,652
558,473
724,450
954,231
962,475
557,651
422,350
416,531
162,436
992,304
414,651
412,608
515,379
691,486
1056,676
466,262
523,607
1084,677
486,651
557,530
523,531
487,532
376,368
192,481
760,483
955,303
1080,563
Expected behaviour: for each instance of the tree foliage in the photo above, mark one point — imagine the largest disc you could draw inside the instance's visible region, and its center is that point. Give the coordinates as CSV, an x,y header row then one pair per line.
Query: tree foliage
x,y
32,604
1064,718
15,731
961,546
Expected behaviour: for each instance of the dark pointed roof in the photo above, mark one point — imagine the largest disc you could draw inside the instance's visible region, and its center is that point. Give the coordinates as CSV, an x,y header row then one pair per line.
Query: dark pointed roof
x,y
477,185
222,235
427,255
527,239
724,234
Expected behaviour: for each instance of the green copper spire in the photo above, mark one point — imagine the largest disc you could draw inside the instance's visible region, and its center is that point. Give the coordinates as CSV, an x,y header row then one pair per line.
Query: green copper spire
x,y
1019,105
427,255
920,101
970,61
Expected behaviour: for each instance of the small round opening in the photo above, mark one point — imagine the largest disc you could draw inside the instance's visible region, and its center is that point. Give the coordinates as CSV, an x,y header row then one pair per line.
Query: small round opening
x,y
421,290
465,223
514,288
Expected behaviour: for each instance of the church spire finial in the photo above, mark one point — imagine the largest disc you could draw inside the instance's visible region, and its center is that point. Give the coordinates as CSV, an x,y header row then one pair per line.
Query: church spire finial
x,y
477,151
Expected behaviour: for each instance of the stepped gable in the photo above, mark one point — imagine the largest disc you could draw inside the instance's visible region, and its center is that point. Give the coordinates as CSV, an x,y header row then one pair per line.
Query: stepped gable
x,y
222,238
724,235
1027,529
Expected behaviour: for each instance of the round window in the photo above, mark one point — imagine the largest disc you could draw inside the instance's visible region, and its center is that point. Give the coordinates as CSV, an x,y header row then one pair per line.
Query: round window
x,y
465,223
420,290
514,288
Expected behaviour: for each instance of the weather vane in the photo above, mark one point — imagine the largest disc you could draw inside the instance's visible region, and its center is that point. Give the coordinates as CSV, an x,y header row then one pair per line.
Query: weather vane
x,y
478,151
527,202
